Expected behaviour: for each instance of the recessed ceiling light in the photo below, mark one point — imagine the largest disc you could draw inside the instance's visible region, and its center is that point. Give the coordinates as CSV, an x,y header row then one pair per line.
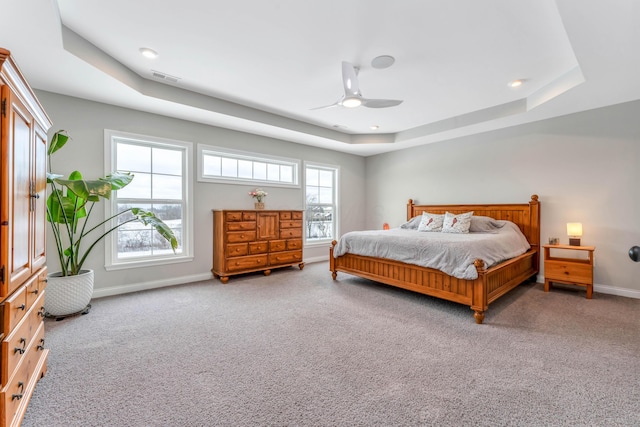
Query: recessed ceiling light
x,y
383,61
375,127
516,83
148,53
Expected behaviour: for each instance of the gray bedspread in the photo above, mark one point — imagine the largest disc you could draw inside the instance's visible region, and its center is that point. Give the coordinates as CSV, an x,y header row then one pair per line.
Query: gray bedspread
x,y
453,254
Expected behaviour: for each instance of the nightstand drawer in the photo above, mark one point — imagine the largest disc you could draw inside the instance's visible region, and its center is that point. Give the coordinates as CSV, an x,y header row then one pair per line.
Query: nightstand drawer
x,y
568,272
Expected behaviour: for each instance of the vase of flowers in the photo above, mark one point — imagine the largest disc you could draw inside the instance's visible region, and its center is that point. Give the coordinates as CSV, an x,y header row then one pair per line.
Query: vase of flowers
x,y
258,194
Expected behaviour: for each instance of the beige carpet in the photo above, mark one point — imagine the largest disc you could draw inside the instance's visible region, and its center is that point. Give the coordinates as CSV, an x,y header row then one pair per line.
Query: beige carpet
x,y
298,349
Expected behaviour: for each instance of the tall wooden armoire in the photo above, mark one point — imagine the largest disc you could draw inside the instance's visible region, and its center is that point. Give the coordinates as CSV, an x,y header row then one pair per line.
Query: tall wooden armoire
x,y
23,273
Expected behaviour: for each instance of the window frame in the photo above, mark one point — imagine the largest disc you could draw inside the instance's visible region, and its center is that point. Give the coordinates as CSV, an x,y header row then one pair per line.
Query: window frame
x,y
335,169
204,149
110,145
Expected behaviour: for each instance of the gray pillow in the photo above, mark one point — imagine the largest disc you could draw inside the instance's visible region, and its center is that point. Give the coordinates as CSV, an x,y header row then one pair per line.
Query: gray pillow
x,y
485,224
413,223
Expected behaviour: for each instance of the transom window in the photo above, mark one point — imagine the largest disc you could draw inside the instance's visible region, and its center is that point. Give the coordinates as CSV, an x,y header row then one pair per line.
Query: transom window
x,y
232,166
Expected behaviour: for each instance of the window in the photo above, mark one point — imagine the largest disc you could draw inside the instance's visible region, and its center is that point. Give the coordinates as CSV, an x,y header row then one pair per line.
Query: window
x,y
161,185
321,202
237,167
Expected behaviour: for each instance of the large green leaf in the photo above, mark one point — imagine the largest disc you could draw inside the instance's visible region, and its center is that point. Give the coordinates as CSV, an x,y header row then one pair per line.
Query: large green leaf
x,y
90,190
149,218
118,180
57,141
57,202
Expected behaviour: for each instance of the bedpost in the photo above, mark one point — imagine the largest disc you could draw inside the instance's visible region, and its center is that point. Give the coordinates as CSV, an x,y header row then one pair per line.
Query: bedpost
x,y
410,209
332,261
479,300
534,233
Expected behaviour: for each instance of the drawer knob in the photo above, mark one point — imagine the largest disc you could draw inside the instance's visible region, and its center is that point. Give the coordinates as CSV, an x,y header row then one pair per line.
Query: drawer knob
x,y
19,395
41,312
19,350
36,290
41,345
21,307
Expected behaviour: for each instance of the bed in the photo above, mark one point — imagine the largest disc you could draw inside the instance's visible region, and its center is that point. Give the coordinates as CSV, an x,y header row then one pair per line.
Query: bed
x,y
491,282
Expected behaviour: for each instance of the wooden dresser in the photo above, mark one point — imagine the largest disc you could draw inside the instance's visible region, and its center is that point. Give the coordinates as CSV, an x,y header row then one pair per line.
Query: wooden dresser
x,y
23,274
255,240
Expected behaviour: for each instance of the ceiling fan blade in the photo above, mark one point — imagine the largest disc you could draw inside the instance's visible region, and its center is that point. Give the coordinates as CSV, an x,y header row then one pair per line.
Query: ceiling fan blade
x,y
335,104
380,103
350,80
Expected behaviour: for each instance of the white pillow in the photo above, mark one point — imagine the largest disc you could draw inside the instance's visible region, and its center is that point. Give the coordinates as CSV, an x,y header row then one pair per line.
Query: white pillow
x,y
459,223
431,222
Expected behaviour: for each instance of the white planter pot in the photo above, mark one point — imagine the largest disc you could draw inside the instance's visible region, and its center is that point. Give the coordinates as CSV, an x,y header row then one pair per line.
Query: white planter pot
x,y
68,295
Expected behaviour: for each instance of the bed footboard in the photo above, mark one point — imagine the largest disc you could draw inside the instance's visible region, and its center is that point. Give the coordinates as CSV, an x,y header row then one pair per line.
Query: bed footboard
x,y
491,283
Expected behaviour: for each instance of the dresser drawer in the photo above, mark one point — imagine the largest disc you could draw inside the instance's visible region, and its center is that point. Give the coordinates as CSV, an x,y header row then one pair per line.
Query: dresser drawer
x,y
241,236
285,257
568,272
15,307
294,244
36,288
258,247
246,263
237,249
289,233
20,387
16,344
290,224
277,245
242,225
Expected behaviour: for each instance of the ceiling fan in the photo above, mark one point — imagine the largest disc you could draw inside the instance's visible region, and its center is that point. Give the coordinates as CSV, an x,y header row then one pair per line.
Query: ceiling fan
x,y
352,96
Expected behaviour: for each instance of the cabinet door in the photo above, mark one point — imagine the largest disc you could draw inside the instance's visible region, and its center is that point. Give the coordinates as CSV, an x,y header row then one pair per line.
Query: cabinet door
x,y
39,200
17,128
268,225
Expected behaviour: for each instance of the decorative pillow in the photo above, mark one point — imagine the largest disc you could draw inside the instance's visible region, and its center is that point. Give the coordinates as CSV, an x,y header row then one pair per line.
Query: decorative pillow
x,y
413,223
484,224
456,223
430,222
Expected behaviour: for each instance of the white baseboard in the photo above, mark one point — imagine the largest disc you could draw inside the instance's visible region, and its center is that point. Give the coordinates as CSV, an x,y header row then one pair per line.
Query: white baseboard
x,y
612,290
124,289
606,289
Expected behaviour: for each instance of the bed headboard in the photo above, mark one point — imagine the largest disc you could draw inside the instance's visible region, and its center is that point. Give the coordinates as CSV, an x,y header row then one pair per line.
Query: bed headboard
x,y
525,215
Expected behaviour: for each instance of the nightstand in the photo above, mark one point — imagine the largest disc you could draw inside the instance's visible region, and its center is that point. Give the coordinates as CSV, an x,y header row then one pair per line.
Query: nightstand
x,y
572,271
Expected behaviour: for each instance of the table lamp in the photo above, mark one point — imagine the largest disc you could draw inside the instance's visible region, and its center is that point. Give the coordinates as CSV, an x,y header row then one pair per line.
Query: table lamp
x,y
574,230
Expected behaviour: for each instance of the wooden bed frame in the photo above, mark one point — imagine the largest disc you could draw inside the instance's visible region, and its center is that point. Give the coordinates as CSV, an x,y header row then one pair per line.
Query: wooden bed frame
x,y
491,283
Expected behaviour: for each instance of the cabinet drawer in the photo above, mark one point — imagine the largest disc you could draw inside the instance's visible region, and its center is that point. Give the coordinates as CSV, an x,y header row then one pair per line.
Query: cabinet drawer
x,y
289,233
15,345
15,307
257,247
241,236
246,263
233,216
294,244
290,224
277,245
285,257
18,391
237,249
239,226
568,272
36,288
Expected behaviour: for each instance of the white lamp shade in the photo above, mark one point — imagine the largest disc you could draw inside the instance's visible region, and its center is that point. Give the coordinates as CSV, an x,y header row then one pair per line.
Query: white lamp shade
x,y
574,229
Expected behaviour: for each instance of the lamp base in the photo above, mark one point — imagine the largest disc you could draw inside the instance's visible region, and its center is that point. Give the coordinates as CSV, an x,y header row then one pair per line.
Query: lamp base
x,y
574,241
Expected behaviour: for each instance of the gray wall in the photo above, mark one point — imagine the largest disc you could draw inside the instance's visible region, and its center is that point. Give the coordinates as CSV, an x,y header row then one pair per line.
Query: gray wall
x,y
584,167
85,121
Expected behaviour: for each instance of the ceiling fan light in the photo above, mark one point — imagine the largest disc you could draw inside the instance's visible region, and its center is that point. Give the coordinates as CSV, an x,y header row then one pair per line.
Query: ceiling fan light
x,y
351,102
148,53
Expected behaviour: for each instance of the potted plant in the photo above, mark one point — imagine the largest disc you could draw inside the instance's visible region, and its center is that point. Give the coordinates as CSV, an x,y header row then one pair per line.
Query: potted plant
x,y
69,206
